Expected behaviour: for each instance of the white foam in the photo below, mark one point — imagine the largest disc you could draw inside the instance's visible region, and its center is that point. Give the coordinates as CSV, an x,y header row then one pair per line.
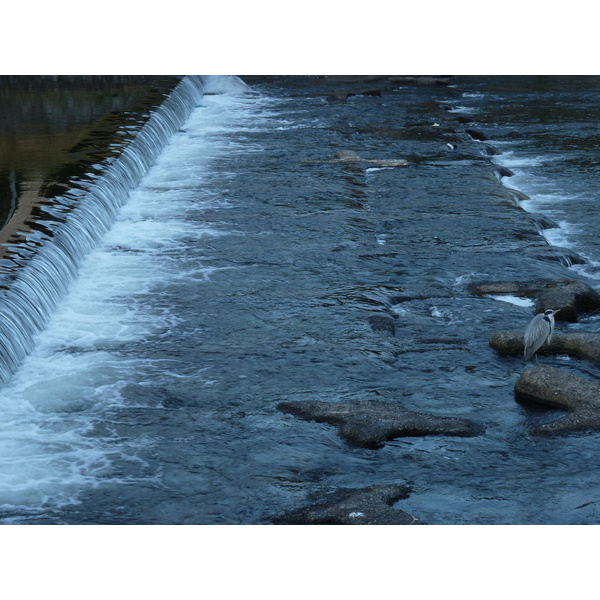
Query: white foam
x,y
373,169
542,196
511,160
562,235
516,300
590,270
464,109
79,368
225,84
441,313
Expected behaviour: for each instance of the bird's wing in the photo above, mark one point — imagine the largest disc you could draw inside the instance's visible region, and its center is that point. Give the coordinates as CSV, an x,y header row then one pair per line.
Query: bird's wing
x,y
535,336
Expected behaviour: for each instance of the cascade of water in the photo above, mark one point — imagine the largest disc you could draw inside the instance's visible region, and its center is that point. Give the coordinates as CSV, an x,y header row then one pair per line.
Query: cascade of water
x,y
30,292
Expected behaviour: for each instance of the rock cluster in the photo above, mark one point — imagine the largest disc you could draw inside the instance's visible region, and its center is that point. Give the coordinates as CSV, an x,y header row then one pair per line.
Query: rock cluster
x,y
570,296
543,384
557,387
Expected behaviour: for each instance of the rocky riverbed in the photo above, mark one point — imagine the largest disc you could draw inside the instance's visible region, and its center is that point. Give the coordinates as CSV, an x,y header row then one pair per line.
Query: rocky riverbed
x,y
372,424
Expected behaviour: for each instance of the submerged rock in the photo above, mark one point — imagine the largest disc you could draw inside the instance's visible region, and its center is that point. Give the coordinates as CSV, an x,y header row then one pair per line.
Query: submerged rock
x,y
542,222
350,506
349,157
342,96
561,389
370,424
419,80
570,296
580,345
383,323
337,97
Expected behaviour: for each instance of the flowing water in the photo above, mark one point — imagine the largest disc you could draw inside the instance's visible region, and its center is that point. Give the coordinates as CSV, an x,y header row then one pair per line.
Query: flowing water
x,y
229,275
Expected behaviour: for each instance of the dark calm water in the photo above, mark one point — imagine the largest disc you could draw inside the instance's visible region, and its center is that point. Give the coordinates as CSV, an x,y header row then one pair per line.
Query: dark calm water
x,y
235,277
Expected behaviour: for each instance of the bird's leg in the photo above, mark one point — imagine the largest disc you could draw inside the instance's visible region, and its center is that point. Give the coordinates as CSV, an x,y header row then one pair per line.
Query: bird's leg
x,y
536,360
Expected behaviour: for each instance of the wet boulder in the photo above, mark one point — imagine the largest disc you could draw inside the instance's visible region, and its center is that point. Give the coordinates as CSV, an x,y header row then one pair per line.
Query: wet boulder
x,y
369,424
560,389
542,222
503,172
581,345
476,135
353,506
570,296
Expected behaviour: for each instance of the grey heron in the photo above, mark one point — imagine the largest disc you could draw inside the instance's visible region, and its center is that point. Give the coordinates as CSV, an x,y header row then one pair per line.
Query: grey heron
x,y
538,332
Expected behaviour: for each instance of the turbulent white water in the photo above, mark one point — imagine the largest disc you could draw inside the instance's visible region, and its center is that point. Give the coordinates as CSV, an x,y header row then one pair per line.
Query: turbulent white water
x,y
545,196
86,354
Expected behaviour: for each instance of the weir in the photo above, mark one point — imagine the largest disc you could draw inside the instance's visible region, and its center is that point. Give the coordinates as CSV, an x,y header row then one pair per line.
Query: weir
x,y
35,273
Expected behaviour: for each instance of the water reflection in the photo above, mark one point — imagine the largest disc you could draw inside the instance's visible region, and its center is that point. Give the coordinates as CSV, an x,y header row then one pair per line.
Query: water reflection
x,y
44,118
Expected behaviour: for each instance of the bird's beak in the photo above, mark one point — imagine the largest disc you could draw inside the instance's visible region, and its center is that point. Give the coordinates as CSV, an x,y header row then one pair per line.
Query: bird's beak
x,y
557,310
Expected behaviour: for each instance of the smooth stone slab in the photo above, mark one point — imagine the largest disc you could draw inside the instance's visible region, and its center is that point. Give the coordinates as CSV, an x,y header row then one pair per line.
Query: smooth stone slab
x,y
580,345
347,506
370,424
561,389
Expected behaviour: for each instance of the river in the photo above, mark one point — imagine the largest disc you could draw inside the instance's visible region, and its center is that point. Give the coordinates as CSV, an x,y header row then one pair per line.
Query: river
x,y
241,271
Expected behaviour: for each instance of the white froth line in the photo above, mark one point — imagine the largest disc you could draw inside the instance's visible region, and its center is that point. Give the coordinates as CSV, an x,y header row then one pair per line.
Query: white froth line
x,y
516,300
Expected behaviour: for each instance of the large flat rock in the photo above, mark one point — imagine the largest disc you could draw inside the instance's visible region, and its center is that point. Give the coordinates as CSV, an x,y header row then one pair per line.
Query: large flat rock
x,y
349,506
580,345
370,424
560,389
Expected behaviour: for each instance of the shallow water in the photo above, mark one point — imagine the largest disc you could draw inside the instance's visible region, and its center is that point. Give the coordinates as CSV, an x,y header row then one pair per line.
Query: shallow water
x,y
236,276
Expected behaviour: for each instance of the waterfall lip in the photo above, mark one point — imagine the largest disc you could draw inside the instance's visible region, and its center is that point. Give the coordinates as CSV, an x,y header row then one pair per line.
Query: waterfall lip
x,y
40,250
